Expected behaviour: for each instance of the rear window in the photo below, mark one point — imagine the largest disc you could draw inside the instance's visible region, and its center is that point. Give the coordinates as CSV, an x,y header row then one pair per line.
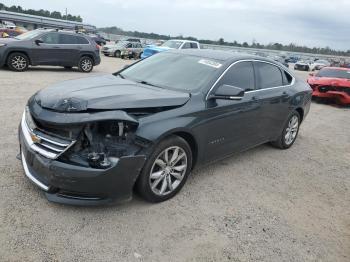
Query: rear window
x,y
68,39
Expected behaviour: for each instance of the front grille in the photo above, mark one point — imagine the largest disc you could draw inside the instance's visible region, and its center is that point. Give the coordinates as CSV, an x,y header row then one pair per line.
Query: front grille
x,y
45,144
325,89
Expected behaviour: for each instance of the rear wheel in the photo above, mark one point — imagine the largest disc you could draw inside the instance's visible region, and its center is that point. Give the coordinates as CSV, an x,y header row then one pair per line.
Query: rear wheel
x,y
289,133
18,62
166,170
85,64
117,54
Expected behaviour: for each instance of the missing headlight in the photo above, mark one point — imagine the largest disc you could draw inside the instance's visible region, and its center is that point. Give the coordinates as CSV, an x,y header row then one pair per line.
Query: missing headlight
x,y
102,143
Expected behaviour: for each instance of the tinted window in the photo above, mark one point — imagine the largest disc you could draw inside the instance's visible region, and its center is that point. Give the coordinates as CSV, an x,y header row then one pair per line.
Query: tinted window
x,y
68,39
240,75
82,40
194,45
129,45
50,38
268,75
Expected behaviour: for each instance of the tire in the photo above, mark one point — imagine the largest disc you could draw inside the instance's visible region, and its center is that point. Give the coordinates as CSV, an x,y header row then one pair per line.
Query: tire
x,y
140,55
153,183
18,62
285,141
117,54
86,64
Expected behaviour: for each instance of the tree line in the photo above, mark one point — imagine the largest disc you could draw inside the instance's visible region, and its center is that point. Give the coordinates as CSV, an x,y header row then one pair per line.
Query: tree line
x,y
292,47
41,12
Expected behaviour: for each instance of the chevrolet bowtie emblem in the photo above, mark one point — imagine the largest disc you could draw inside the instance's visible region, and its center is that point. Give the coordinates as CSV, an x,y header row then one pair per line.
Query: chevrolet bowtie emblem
x,y
35,139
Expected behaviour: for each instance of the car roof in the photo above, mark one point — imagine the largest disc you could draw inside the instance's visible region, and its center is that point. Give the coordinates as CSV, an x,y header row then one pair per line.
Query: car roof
x,y
183,40
225,56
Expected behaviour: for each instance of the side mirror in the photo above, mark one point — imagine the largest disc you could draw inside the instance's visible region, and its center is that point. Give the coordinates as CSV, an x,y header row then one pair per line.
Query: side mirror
x,y
38,42
228,92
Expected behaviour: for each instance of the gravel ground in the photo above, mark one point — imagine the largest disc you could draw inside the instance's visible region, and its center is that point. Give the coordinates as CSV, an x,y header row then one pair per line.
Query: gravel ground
x,y
261,205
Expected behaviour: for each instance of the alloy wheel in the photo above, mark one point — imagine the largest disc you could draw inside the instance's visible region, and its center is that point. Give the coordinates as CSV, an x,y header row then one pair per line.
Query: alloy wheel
x,y
168,170
86,65
18,62
291,130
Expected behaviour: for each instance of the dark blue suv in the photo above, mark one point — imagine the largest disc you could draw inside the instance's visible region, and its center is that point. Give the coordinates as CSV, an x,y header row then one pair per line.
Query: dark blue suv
x,y
49,47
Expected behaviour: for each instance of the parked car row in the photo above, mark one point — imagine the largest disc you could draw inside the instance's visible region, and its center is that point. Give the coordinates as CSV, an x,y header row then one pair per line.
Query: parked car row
x,y
307,65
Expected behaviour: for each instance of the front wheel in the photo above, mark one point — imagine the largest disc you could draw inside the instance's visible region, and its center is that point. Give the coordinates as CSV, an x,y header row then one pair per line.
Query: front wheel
x,y
85,64
166,170
18,62
289,133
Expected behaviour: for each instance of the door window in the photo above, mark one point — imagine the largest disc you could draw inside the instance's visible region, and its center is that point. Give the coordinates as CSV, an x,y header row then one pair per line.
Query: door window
x,y
240,75
268,75
68,39
186,46
194,45
50,38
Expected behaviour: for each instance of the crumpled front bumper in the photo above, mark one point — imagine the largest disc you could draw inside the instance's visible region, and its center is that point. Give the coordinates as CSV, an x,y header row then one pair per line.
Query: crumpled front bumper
x,y
341,97
70,184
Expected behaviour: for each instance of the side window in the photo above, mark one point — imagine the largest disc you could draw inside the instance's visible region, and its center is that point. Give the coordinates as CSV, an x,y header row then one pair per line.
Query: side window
x,y
66,39
268,75
194,45
186,46
82,40
129,45
50,38
287,78
240,75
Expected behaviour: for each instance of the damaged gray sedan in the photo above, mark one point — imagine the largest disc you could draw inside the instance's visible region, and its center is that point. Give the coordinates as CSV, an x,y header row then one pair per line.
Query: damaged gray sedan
x,y
94,140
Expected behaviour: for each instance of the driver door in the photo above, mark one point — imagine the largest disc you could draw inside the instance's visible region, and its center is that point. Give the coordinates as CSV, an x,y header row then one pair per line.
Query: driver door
x,y
48,51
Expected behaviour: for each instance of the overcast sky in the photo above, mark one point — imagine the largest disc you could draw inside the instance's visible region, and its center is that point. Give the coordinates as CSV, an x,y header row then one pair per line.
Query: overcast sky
x,y
313,23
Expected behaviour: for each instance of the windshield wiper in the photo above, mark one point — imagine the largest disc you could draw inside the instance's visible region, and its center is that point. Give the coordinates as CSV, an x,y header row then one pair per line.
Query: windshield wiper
x,y
147,83
121,76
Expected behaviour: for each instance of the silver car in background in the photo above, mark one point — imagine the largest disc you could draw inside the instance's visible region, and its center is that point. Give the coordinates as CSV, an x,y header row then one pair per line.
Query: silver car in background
x,y
123,50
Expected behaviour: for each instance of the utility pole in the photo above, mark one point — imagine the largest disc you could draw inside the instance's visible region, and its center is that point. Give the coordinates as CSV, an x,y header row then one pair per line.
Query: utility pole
x,y
66,14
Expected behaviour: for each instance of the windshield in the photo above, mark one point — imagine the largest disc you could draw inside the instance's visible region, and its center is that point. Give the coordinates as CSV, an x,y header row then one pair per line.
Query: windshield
x,y
173,71
28,35
172,44
334,73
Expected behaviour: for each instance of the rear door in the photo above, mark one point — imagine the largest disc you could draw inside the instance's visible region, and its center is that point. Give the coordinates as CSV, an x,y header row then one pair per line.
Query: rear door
x,y
70,48
274,96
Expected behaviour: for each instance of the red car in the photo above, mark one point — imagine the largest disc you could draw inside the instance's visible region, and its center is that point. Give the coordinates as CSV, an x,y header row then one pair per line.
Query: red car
x,y
332,83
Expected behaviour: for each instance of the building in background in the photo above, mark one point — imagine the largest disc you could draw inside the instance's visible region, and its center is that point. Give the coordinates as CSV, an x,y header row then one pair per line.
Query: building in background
x,y
31,22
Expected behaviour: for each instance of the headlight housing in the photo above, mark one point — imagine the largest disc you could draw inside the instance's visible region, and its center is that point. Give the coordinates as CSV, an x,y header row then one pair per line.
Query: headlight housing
x,y
29,120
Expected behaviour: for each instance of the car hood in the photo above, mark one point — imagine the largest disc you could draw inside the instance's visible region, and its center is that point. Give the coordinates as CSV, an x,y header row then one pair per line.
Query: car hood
x,y
106,92
7,40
